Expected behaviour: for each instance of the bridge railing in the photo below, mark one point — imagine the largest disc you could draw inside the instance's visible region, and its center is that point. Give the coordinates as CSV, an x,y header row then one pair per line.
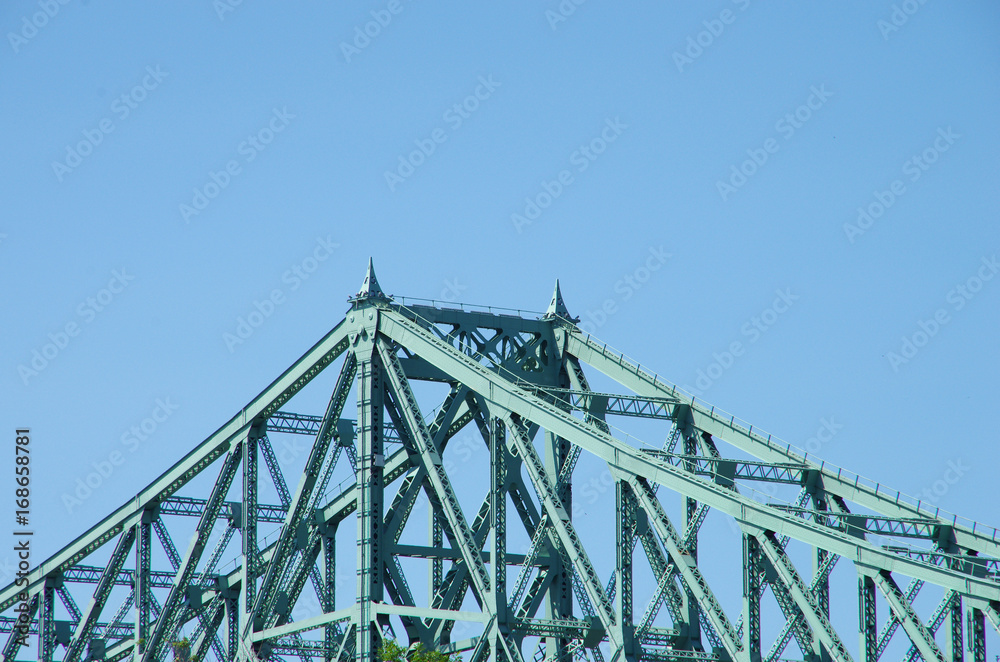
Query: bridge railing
x,y
466,307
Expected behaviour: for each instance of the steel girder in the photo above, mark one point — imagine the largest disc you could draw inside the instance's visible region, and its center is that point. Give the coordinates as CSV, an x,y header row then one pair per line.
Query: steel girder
x,y
848,486
631,460
213,448
513,377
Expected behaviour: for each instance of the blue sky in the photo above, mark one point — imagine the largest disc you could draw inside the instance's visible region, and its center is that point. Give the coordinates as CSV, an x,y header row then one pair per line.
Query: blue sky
x,y
695,176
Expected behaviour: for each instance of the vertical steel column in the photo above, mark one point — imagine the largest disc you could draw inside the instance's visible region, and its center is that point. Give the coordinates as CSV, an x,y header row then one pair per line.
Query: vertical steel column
x,y
46,623
233,627
752,567
370,501
560,594
954,643
822,589
690,513
868,624
977,635
624,535
330,587
248,592
437,542
498,523
143,555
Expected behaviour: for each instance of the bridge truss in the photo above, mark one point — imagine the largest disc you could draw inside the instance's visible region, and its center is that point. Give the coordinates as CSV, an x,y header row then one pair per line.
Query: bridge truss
x,y
518,386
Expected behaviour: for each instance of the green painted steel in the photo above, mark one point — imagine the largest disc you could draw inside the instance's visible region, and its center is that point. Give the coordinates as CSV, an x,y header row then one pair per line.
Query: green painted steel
x,y
518,385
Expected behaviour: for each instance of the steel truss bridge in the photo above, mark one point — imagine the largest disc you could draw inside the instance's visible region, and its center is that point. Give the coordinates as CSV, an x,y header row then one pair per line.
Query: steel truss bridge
x,y
124,589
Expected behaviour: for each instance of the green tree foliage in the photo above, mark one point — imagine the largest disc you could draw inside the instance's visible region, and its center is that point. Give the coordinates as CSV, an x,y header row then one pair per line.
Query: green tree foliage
x,y
391,651
182,650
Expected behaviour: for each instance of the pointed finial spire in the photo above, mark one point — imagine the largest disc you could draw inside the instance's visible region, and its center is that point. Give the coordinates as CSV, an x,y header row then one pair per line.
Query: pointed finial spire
x,y
557,307
370,288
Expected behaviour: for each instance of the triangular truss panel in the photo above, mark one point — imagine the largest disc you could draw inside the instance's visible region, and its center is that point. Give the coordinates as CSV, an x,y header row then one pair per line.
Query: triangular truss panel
x,y
436,498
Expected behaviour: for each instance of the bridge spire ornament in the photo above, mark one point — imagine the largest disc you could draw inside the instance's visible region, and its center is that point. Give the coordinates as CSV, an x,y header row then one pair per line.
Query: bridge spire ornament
x,y
557,307
370,289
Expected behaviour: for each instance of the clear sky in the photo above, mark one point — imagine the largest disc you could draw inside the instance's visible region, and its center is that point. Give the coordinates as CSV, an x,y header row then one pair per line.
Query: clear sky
x,y
790,208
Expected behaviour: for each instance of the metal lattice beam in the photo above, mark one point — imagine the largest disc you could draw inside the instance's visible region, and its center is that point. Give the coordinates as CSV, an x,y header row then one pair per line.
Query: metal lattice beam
x,y
523,383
